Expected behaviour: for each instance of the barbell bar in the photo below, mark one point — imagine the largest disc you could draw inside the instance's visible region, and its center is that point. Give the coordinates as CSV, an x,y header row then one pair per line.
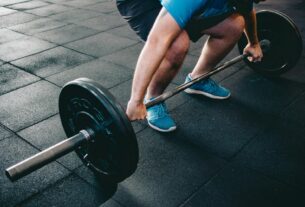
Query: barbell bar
x,y
99,130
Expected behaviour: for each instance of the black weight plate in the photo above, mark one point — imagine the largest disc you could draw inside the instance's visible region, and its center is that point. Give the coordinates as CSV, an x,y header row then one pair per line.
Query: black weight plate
x,y
285,43
113,153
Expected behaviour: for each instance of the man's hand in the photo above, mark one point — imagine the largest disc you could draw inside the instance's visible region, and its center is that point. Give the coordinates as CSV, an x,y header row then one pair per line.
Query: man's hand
x,y
255,52
136,110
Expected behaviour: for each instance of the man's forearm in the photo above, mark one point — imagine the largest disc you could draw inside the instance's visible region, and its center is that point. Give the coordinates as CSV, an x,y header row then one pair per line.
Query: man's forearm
x,y
250,28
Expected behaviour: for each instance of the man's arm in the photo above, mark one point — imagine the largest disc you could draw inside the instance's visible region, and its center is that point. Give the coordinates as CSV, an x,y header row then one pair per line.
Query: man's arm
x,y
253,46
163,33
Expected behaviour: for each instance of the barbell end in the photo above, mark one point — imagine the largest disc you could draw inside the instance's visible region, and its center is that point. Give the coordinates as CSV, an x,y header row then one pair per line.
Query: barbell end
x,y
48,155
9,172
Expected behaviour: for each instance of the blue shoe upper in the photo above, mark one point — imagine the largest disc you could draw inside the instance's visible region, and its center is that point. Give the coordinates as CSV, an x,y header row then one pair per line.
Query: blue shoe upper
x,y
209,86
159,118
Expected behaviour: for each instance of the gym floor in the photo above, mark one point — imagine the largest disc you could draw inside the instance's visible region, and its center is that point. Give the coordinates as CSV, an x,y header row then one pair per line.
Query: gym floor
x,y
245,151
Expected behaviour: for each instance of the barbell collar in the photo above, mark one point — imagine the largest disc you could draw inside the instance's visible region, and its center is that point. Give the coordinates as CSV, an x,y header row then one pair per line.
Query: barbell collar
x,y
48,155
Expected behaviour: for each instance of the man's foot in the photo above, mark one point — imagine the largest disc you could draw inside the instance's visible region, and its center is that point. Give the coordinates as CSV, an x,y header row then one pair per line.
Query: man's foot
x,y
159,119
207,87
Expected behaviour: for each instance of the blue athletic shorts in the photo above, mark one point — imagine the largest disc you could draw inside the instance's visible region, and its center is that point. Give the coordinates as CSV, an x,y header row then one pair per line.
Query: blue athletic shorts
x,y
192,15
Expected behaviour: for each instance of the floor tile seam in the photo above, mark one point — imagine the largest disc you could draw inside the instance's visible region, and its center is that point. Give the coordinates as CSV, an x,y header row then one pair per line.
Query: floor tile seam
x,y
47,16
24,10
16,3
117,64
141,130
37,122
85,180
199,188
68,48
297,188
65,43
97,33
138,40
110,12
265,175
78,6
32,83
122,82
4,15
111,28
293,101
49,48
48,81
118,202
34,34
240,68
73,172
44,189
23,13
60,86
73,8
36,147
57,85
15,133
17,88
115,51
251,140
11,132
101,30
45,77
98,2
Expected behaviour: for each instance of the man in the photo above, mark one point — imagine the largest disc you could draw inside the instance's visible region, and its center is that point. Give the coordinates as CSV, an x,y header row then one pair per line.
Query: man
x,y
167,27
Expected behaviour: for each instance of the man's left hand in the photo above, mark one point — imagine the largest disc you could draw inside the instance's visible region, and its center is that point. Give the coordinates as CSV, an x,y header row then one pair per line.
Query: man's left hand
x,y
255,52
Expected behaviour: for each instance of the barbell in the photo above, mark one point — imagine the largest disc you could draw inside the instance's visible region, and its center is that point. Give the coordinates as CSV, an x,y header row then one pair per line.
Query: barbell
x,y
99,130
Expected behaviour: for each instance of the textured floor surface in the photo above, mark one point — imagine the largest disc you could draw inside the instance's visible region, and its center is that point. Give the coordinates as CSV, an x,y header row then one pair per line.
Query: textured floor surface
x,y
242,152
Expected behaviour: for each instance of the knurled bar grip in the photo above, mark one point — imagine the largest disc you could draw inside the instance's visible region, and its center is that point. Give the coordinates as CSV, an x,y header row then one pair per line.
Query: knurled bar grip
x,y
46,156
265,45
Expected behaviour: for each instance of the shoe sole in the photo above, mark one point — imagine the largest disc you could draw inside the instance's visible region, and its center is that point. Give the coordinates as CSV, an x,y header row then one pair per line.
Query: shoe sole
x,y
162,130
192,91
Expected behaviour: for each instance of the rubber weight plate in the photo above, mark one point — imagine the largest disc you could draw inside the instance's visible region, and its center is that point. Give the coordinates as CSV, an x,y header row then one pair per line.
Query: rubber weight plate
x,y
113,152
286,43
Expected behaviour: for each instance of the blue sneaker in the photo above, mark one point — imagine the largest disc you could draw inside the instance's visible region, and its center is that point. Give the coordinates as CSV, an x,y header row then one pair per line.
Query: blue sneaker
x,y
207,87
159,119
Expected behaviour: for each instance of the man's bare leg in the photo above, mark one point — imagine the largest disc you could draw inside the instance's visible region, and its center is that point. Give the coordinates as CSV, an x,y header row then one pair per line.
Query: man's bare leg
x,y
169,66
222,39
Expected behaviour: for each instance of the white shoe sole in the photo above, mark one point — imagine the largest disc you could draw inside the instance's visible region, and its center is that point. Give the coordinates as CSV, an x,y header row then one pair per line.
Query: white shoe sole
x,y
162,130
192,91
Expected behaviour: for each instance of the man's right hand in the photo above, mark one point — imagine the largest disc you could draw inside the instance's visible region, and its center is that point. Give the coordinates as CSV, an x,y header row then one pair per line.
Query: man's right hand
x,y
136,110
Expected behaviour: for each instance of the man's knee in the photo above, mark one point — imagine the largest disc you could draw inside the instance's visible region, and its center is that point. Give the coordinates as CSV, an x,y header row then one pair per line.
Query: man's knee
x,y
178,50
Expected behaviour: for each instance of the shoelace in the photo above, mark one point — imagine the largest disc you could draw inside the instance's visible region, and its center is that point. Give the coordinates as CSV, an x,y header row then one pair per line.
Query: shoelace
x,y
211,84
160,110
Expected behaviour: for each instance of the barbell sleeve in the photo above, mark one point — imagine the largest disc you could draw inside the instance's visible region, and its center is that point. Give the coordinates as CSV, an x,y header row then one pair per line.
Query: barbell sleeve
x,y
265,45
48,155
